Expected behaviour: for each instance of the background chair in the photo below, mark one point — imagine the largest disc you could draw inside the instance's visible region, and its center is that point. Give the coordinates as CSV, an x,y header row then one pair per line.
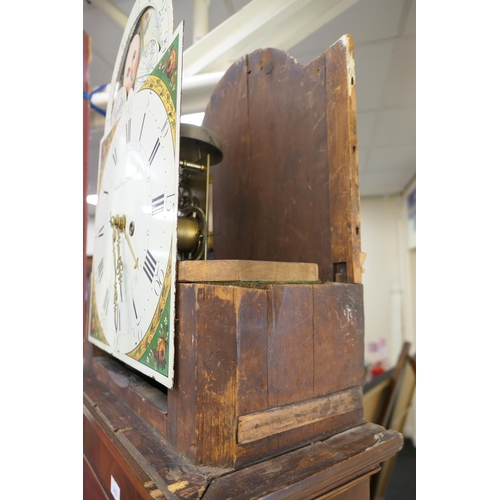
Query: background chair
x,y
386,401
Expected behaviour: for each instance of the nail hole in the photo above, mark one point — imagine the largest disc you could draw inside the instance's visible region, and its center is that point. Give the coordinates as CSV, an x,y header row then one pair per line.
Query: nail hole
x,y
357,230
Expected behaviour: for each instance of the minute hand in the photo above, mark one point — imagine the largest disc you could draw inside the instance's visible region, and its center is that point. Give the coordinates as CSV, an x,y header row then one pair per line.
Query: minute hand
x,y
136,260
120,223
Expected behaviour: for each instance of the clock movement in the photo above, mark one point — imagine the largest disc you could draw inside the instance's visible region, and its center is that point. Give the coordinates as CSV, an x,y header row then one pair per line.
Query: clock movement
x,y
200,149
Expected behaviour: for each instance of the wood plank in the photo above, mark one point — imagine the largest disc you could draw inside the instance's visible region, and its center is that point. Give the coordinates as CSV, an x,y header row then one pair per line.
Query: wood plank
x,y
338,337
92,487
153,468
276,420
290,348
251,306
227,116
182,399
312,470
145,398
358,489
245,270
109,459
288,161
345,217
289,174
215,419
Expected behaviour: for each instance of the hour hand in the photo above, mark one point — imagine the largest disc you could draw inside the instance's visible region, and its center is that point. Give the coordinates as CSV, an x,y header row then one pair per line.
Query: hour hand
x,y
118,265
119,222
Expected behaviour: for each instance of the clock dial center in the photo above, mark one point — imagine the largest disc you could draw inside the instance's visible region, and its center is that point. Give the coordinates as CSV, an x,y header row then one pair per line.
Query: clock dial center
x,y
118,221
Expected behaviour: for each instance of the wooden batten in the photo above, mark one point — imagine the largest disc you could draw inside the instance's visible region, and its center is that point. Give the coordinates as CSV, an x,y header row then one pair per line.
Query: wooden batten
x,y
277,420
192,271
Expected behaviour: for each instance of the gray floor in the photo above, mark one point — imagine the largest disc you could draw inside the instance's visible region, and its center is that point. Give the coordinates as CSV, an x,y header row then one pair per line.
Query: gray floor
x,y
403,482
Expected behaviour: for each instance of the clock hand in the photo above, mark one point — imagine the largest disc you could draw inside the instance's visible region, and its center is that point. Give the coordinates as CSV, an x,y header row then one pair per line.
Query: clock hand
x,y
118,265
119,222
136,260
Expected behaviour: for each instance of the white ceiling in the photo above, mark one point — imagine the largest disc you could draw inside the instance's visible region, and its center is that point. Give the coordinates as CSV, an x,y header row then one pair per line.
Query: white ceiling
x,y
384,33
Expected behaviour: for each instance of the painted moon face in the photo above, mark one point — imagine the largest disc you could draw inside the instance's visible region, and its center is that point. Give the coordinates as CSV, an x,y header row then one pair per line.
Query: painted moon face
x,y
131,63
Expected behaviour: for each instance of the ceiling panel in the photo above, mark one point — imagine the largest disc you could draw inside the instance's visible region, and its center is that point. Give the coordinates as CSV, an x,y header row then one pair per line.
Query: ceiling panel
x,y
401,82
366,128
395,126
362,159
391,158
388,181
372,63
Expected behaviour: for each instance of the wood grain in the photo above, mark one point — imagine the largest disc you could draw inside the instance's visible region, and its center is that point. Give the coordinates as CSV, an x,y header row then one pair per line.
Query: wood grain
x,y
276,420
343,160
287,187
244,270
312,470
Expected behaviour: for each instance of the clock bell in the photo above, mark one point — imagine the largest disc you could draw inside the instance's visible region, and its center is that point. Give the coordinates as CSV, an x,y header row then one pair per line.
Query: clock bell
x,y
200,148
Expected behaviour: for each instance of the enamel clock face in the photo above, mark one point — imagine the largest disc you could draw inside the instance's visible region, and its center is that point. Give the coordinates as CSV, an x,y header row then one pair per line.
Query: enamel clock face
x,y
135,249
147,34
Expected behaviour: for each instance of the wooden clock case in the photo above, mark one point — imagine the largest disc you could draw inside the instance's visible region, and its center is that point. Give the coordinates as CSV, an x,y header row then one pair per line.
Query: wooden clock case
x,y
269,361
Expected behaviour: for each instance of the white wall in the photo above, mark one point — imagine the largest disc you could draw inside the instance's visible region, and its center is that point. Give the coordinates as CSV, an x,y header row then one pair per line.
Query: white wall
x,y
389,282
381,278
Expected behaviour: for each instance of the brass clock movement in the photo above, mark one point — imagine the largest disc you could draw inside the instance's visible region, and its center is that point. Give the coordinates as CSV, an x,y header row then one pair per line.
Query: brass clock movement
x,y
199,150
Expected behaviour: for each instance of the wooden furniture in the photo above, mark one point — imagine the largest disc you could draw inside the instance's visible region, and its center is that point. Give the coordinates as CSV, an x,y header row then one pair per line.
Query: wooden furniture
x,y
267,400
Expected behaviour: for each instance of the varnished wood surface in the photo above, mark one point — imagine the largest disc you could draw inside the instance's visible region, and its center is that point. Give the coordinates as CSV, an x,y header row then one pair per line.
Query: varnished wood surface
x,y
245,270
118,443
92,487
287,188
258,349
274,421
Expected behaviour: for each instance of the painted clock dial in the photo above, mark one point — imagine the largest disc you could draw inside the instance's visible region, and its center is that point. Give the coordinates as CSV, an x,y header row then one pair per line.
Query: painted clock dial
x,y
146,36
132,302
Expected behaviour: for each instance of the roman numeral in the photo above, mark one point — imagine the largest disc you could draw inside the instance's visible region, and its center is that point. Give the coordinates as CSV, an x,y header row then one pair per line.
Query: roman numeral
x,y
157,205
164,129
149,266
101,232
155,150
137,319
115,156
118,318
128,129
170,202
142,126
105,303
100,270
